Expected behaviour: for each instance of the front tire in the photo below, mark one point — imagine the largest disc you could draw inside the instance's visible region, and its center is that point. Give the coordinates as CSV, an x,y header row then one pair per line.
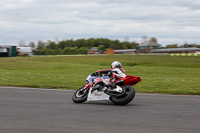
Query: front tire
x,y
126,98
80,95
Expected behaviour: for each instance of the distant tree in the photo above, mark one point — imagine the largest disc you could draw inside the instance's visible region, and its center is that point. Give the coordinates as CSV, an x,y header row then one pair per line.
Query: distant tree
x,y
21,43
134,45
186,45
32,44
81,46
80,43
153,39
73,50
115,44
101,47
172,46
43,51
196,45
82,50
61,44
51,45
66,50
41,44
124,45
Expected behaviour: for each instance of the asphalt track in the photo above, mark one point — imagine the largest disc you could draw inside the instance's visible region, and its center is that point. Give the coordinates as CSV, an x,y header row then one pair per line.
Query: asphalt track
x,y
26,110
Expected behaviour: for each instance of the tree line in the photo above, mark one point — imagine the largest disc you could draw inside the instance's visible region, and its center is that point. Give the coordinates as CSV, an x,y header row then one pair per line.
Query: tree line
x,y
81,46
185,45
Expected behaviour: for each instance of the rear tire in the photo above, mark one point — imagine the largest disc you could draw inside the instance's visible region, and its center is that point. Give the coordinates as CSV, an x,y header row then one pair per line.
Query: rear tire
x,y
126,98
79,96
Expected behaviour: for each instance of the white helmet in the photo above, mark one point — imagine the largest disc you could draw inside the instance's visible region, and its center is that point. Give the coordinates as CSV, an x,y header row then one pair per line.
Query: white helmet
x,y
116,64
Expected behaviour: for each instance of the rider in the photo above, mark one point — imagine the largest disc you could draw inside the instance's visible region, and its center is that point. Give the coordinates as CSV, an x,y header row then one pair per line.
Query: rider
x,y
116,72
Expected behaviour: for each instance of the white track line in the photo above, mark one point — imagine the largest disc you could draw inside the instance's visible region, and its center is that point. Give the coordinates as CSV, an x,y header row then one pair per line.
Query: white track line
x,y
24,88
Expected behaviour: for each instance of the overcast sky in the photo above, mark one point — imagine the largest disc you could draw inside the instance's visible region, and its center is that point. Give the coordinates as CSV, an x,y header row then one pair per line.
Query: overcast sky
x,y
170,21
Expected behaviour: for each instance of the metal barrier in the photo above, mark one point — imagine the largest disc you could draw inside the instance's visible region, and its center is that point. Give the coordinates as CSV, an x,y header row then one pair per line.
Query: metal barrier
x,y
185,54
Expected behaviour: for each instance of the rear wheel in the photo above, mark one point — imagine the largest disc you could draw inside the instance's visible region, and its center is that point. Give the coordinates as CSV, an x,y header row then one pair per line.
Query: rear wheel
x,y
80,95
126,97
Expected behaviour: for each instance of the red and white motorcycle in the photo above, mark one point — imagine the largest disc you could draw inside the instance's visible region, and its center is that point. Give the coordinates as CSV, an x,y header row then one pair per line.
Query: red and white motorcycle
x,y
104,88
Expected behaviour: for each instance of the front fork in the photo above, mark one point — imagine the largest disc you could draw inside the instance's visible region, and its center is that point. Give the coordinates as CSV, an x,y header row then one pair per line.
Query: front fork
x,y
86,88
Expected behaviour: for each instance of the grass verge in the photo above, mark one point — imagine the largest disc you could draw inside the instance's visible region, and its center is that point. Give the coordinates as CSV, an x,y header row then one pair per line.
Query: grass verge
x,y
159,74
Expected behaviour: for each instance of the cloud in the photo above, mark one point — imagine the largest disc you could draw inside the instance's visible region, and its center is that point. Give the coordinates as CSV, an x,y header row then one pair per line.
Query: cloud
x,y
33,20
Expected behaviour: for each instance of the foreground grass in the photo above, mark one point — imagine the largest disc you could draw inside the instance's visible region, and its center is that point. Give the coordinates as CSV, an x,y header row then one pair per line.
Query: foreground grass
x,y
159,74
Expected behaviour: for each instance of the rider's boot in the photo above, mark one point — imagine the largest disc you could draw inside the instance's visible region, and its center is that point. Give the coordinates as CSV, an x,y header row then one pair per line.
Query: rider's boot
x,y
111,88
111,85
120,83
96,87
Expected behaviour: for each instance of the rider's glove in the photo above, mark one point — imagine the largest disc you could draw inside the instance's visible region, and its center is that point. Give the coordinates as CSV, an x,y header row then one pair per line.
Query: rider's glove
x,y
98,73
93,74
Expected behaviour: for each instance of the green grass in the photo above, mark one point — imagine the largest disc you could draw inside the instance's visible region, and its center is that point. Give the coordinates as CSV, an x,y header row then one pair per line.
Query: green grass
x,y
159,74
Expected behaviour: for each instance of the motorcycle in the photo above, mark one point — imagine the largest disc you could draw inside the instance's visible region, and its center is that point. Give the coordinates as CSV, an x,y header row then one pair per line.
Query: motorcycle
x,y
102,87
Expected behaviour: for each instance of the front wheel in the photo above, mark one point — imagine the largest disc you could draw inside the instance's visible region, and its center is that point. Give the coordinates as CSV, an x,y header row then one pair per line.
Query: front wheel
x,y
80,95
124,99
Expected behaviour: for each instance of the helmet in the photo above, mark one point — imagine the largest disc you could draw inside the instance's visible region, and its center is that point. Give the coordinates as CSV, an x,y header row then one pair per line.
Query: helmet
x,y
116,64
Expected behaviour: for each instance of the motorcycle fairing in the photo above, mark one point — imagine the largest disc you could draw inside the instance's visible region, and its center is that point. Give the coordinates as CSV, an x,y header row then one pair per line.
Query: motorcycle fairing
x,y
91,78
131,80
97,96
